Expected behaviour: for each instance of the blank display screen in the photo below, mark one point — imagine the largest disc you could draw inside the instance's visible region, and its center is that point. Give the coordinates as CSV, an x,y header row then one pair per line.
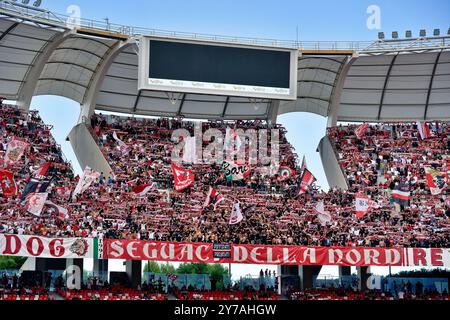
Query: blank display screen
x,y
218,64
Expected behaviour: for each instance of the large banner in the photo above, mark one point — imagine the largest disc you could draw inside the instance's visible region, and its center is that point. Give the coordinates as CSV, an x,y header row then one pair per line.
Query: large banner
x,y
280,255
33,246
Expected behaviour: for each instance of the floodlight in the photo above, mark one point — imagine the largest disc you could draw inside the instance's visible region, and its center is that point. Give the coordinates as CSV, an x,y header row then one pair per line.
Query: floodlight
x,y
381,35
423,33
408,34
436,32
394,35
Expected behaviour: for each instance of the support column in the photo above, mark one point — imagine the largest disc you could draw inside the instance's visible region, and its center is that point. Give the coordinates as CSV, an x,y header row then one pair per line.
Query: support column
x,y
134,272
101,268
307,275
363,275
344,271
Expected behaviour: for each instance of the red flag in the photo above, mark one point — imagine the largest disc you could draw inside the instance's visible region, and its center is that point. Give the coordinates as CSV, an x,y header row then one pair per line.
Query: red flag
x,y
7,183
142,189
361,130
15,150
307,180
213,197
401,195
182,178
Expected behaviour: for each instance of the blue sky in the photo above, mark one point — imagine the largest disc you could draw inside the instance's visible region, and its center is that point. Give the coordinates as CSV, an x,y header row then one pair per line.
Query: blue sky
x,y
315,20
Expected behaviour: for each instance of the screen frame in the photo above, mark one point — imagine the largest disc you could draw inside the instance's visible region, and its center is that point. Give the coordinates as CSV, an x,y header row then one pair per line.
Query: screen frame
x,y
179,86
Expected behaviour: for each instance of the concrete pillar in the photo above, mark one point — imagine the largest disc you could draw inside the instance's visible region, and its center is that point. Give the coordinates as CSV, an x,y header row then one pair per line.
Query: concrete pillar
x,y
345,271
287,276
307,275
363,275
101,268
134,272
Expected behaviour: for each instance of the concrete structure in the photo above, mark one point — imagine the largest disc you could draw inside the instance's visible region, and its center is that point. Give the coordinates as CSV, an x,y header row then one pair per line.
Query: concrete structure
x,y
87,151
134,272
335,175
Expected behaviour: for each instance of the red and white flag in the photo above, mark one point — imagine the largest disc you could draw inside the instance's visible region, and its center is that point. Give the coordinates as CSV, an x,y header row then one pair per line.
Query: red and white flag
x,y
322,215
142,189
15,150
401,195
63,213
64,192
424,130
307,180
7,183
35,203
182,178
361,205
213,197
361,130
120,144
236,214
87,178
436,180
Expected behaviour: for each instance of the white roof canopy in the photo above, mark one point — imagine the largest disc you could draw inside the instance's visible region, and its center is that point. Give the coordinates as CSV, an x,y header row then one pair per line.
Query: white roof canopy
x,y
101,73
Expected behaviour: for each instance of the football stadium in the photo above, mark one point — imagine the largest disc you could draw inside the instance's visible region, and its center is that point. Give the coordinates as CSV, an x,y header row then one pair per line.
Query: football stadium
x,y
184,172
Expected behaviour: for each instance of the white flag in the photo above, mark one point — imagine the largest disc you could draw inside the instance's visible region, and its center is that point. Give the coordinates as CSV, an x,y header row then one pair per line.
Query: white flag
x,y
35,203
62,212
324,216
87,178
122,145
236,214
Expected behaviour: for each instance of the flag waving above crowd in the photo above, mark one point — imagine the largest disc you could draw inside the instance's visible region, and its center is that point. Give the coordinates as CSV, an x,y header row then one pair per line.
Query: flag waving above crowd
x,y
436,180
14,151
285,173
35,203
213,198
236,214
424,130
87,178
361,130
182,178
7,183
307,180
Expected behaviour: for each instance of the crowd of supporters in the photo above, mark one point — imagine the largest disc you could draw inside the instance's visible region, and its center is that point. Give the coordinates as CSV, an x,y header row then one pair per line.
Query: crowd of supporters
x,y
343,294
274,212
13,287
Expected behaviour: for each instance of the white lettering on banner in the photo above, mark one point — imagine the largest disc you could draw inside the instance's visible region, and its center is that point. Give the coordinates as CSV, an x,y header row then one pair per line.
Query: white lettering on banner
x,y
171,254
254,254
150,254
131,249
198,253
237,251
187,251
374,282
73,277
371,257
309,255
349,258
392,256
270,256
116,246
331,255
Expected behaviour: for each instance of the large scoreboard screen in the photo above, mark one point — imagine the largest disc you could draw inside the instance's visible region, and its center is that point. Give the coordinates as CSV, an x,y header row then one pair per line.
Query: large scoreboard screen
x,y
217,68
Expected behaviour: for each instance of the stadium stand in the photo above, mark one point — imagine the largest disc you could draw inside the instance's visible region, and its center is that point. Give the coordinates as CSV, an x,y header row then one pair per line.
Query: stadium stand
x,y
274,214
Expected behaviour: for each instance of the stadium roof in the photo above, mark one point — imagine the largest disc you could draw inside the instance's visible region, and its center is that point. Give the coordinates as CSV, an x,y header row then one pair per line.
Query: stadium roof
x,y
97,66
